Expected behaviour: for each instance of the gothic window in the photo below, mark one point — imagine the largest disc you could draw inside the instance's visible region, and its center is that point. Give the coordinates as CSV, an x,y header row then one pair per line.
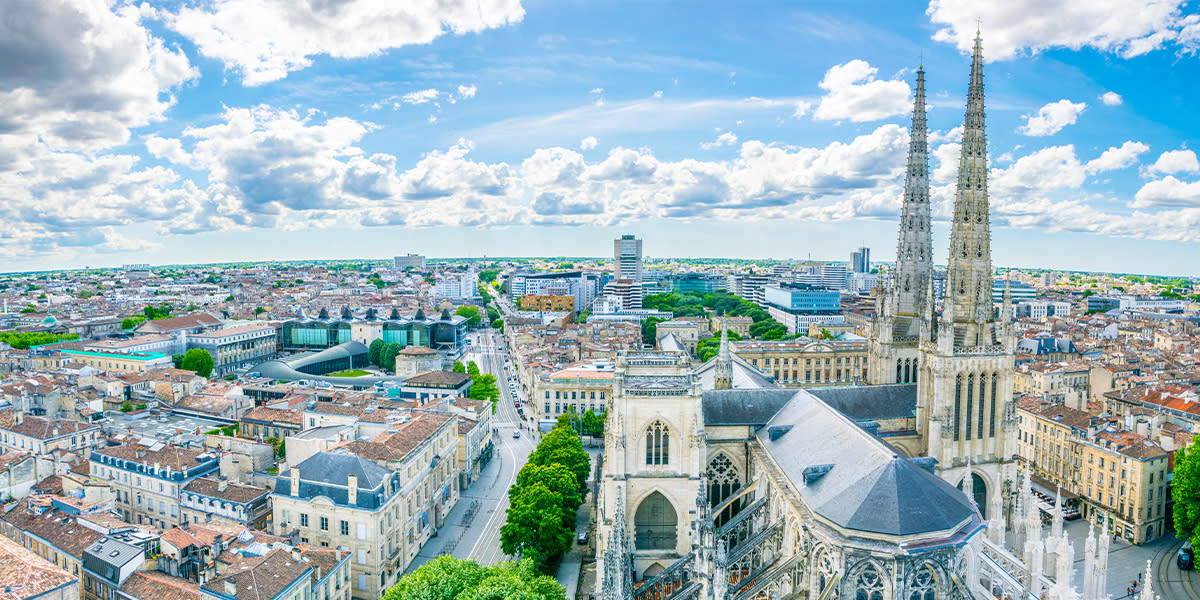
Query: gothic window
x,y
868,585
992,417
970,398
826,570
957,404
658,444
654,524
983,405
899,371
924,585
723,479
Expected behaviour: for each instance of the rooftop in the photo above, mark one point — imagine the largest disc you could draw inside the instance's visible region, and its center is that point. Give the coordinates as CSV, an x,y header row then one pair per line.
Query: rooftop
x,y
28,575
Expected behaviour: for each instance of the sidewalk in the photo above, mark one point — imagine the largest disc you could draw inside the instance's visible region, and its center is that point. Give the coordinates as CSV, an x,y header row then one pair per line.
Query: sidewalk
x,y
571,564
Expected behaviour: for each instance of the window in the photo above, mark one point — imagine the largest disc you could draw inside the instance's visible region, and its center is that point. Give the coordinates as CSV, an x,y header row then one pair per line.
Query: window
x,y
657,444
655,524
345,527
303,520
868,585
324,523
957,404
924,585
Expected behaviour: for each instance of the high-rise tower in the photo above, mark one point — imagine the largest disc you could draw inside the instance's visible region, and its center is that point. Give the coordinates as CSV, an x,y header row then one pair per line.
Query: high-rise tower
x,y
627,258
894,354
964,395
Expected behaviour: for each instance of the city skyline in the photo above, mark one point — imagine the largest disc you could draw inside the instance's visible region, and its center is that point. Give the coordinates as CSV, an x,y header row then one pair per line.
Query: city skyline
x,y
530,129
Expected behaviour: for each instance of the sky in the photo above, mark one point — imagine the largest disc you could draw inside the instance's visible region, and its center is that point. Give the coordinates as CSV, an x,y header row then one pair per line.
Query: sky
x,y
220,130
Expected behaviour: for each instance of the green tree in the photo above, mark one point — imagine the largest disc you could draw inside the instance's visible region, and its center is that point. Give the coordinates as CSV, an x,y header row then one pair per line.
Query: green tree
x,y
472,368
27,339
131,322
1185,489
198,360
374,350
650,330
593,424
498,324
483,387
474,317
387,355
449,578
459,367
154,313
177,360
708,347
583,316
564,447
488,275
534,528
260,310
558,478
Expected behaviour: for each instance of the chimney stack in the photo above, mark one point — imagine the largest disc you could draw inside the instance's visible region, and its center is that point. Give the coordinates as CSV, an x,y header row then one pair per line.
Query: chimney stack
x,y
352,485
296,554
222,483
296,480
230,586
18,417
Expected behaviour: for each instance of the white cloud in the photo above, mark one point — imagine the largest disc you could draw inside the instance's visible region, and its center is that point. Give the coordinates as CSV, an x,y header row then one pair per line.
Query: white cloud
x,y
588,143
658,93
1124,27
952,135
802,108
1111,99
1175,161
855,95
264,40
467,91
1117,157
1168,192
420,96
1051,118
725,139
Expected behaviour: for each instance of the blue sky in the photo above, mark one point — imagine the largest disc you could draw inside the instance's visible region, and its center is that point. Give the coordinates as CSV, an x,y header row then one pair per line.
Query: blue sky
x,y
216,130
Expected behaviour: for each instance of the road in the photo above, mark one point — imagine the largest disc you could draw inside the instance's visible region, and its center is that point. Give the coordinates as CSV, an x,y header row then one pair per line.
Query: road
x,y
472,529
1171,583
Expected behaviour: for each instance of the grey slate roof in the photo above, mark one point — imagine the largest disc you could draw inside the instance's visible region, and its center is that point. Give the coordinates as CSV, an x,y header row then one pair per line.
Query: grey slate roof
x,y
326,474
743,406
870,487
745,375
1046,345
108,555
871,402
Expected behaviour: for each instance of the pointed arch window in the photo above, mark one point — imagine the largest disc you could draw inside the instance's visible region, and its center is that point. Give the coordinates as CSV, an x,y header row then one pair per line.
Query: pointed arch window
x,y
658,444
868,585
995,407
983,406
924,585
723,479
957,404
970,403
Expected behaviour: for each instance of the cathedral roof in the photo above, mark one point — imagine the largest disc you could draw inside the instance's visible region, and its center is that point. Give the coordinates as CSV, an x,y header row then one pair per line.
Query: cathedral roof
x,y
745,375
743,406
871,402
856,480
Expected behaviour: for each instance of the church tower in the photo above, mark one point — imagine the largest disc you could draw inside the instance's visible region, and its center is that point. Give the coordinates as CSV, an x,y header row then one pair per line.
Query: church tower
x,y
724,375
894,355
964,398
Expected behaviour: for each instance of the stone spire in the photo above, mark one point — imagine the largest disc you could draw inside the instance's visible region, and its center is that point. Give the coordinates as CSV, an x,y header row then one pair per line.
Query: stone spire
x,y
914,250
1089,562
969,271
724,371
1148,586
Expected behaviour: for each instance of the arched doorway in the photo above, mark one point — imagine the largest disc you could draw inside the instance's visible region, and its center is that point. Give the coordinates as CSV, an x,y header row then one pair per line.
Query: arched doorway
x,y
980,491
654,524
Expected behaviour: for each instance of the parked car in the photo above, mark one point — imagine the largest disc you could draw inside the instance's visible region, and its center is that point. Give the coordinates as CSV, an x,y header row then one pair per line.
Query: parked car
x,y
582,538
1185,559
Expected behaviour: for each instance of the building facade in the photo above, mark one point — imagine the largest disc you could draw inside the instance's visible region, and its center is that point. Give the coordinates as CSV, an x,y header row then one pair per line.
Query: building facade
x,y
236,347
147,481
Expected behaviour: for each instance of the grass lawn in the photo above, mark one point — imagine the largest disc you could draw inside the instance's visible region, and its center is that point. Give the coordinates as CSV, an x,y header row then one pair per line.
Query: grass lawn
x,y
349,373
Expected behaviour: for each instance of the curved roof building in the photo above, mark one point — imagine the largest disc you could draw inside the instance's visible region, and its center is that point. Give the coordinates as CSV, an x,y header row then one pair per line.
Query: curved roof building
x,y
314,365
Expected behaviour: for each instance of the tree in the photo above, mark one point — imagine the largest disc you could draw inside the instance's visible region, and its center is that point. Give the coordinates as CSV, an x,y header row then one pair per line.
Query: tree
x,y
474,317
708,347
558,478
563,446
449,578
593,424
374,350
459,367
472,368
260,310
27,339
1185,489
583,316
153,313
483,387
650,330
198,360
177,360
387,355
498,324
534,528
126,406
131,322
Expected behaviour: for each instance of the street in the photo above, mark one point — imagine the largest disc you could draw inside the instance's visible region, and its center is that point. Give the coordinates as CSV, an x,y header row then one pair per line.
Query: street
x,y
1170,582
472,529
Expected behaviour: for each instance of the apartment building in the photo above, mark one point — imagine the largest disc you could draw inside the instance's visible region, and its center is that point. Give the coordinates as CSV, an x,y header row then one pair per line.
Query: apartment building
x,y
206,499
579,388
423,451
548,303
807,363
23,433
281,574
236,347
1052,378
148,480
1116,473
339,500
52,534
27,576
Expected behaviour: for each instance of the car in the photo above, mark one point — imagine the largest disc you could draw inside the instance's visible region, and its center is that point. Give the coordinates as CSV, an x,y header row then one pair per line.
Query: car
x,y
1185,559
516,434
582,538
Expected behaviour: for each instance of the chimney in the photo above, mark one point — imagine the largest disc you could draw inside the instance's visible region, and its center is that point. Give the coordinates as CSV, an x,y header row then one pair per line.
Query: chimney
x,y
352,485
230,586
296,554
18,417
296,480
222,483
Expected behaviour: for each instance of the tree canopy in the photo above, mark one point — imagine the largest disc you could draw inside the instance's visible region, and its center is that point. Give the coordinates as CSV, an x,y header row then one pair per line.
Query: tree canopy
x,y
473,315
198,360
26,339
449,578
1185,489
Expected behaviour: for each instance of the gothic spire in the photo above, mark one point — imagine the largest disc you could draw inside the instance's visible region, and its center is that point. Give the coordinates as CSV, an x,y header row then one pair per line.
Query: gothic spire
x,y
914,249
969,271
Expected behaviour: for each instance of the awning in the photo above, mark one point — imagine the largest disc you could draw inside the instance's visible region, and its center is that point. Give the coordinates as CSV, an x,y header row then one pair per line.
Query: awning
x,y
1049,489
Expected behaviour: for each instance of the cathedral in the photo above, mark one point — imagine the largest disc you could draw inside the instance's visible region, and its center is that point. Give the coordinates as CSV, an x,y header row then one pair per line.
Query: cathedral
x,y
715,484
